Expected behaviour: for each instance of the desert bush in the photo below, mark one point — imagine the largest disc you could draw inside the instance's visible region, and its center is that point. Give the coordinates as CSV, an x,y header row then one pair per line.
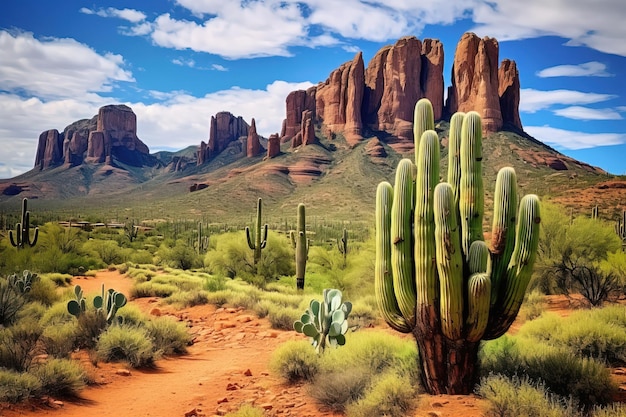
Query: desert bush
x,y
43,290
56,314
364,312
60,377
338,388
140,256
501,356
183,299
11,301
126,343
533,305
19,344
611,410
168,335
520,397
390,395
59,339
214,283
262,308
132,315
34,310
108,251
184,282
180,256
60,280
152,289
16,386
283,318
90,326
295,361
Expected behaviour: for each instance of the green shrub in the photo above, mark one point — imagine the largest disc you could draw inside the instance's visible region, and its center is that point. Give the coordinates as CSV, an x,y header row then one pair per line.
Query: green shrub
x,y
247,410
501,356
59,340
16,386
611,410
283,318
60,377
43,290
533,306
214,283
56,314
90,325
151,289
126,343
19,344
515,397
184,299
390,395
168,335
339,387
295,361
60,280
11,301
132,315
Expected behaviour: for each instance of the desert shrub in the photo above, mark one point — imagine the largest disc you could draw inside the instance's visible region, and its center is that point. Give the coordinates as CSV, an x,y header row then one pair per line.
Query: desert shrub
x,y
337,388
140,274
60,377
262,308
219,298
183,299
214,283
131,314
501,356
515,397
295,361
19,344
247,410
16,386
283,318
11,301
533,306
56,314
108,251
611,410
43,290
34,310
60,280
180,256
140,256
59,340
126,343
184,282
390,395
284,300
168,335
152,289
364,313
90,326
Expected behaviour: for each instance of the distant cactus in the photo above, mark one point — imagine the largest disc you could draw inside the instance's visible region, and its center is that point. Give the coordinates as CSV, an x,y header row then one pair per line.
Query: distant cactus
x,y
258,243
594,212
325,322
301,244
620,228
342,245
435,277
202,242
131,230
22,230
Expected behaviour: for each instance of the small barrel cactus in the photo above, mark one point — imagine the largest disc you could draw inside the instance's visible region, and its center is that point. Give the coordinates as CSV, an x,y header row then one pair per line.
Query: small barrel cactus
x,y
325,321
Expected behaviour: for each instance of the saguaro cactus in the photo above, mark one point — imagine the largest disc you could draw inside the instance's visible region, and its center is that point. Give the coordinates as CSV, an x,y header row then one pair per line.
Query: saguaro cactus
x,y
259,242
342,245
435,277
22,230
301,244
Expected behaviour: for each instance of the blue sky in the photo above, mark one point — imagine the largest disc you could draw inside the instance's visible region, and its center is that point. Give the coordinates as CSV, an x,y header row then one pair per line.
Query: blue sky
x,y
178,62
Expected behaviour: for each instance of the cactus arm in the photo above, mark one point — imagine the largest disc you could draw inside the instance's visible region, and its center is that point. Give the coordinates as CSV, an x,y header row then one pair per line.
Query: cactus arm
x,y
478,295
519,269
249,238
423,120
503,228
401,240
471,186
424,220
449,262
454,154
383,279
18,236
264,238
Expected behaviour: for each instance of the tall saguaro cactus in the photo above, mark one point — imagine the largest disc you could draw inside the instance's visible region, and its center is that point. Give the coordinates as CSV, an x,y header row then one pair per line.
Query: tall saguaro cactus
x,y
22,230
342,245
301,244
435,277
260,235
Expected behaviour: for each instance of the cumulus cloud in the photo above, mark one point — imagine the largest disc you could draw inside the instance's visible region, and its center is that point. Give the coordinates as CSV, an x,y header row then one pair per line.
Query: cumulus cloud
x,y
54,67
586,113
532,100
598,25
131,15
572,140
588,69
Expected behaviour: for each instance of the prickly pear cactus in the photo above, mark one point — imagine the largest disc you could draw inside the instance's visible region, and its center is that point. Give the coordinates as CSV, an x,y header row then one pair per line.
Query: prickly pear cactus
x,y
78,305
325,322
23,283
109,302
435,276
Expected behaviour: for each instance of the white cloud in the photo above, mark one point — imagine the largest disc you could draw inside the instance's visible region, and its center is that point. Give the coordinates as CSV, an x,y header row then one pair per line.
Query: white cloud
x,y
532,100
131,15
177,121
571,140
54,67
588,69
218,67
598,24
586,113
184,62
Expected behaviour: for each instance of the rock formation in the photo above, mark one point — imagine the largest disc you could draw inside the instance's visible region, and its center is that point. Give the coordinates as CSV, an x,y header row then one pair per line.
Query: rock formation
x,y
383,95
273,146
253,147
225,128
108,136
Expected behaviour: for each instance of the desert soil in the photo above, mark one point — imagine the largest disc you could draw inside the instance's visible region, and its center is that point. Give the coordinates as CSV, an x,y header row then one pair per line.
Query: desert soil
x,y
227,366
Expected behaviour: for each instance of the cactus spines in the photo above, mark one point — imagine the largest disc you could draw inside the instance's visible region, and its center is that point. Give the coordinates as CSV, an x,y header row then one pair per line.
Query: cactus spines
x,y
325,322
423,120
22,230
465,290
300,243
260,234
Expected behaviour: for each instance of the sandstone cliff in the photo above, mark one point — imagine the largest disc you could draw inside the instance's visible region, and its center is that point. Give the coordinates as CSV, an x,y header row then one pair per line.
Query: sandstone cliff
x,y
109,136
382,96
224,129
